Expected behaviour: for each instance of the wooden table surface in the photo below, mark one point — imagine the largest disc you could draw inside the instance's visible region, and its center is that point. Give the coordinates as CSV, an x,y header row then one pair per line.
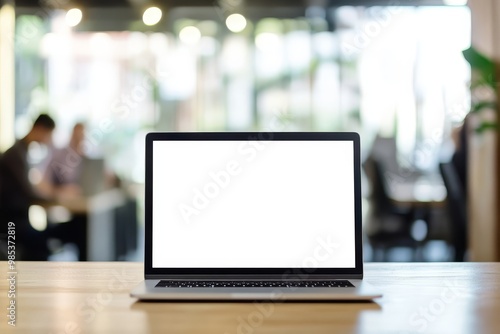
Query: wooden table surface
x,y
91,297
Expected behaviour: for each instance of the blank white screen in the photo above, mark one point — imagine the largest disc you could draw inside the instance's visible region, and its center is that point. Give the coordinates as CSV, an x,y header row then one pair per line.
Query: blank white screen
x,y
264,204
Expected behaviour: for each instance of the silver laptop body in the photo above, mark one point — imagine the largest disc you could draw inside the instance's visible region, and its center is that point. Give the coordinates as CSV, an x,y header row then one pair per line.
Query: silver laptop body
x,y
253,216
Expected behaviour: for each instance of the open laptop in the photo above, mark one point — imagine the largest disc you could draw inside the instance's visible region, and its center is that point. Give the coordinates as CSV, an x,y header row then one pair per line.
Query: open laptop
x,y
253,216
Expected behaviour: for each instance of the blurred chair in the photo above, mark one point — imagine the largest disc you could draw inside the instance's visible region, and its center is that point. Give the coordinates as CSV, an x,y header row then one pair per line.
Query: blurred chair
x,y
126,229
457,209
388,225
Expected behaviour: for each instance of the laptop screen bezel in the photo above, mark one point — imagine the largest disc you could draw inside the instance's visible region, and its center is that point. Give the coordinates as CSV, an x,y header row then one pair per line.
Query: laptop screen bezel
x,y
150,272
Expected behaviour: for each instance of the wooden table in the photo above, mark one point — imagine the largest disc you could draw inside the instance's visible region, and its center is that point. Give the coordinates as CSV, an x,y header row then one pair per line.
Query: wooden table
x,y
92,297
99,214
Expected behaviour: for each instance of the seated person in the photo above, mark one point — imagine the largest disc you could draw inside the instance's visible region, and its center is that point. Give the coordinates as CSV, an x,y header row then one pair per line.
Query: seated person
x,y
17,193
64,170
69,169
62,177
71,175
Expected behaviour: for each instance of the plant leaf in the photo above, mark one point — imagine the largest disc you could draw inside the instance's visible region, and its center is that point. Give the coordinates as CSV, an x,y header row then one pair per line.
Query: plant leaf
x,y
483,105
486,126
482,64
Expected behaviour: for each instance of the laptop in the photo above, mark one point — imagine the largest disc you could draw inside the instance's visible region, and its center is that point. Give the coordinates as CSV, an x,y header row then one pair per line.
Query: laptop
x,y
253,216
92,179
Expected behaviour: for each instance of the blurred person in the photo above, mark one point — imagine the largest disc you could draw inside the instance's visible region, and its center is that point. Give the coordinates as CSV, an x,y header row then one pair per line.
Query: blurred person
x,y
62,177
17,193
65,177
66,168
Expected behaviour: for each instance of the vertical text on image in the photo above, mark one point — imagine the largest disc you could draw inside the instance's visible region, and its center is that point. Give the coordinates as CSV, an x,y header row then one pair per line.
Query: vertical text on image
x,y
12,273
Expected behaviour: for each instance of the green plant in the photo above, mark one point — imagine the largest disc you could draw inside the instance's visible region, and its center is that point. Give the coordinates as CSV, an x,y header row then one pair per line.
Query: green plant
x,y
483,77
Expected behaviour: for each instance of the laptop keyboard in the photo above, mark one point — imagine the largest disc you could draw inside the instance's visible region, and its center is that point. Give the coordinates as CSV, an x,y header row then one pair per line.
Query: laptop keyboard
x,y
255,284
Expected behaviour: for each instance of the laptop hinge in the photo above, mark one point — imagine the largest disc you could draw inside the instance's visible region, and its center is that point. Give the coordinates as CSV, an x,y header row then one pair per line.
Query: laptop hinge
x,y
255,277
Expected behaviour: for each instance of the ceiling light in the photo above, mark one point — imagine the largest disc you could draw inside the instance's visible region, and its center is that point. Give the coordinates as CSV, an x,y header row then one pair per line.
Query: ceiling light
x,y
236,22
152,16
73,17
190,35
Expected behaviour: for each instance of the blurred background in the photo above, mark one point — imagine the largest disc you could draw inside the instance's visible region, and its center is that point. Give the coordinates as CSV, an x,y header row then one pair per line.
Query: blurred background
x,y
396,72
